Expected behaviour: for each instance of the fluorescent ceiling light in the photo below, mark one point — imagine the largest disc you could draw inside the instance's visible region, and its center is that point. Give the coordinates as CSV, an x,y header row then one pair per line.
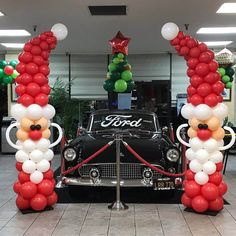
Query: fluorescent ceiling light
x,y
217,30
227,8
1,14
218,43
14,33
13,45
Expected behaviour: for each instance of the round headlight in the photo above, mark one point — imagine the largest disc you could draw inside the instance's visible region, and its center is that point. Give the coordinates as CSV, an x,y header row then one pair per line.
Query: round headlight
x,y
172,155
70,154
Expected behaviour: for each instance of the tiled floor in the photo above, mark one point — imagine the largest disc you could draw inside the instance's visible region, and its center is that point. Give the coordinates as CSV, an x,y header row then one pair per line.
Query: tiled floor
x,y
96,219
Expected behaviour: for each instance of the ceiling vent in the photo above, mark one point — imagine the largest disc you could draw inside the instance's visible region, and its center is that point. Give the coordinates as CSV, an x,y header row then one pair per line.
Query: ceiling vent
x,y
107,10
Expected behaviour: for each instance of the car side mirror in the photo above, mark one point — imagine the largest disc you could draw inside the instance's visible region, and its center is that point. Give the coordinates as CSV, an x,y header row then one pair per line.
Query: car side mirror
x,y
81,130
165,130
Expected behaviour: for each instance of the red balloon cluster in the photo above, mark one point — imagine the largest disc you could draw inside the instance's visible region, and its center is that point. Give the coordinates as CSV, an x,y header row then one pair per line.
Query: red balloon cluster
x,y
205,81
32,83
35,196
204,197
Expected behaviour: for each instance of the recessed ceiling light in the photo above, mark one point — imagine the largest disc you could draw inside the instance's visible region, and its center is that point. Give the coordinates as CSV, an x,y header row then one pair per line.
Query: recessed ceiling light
x,y
217,30
227,8
1,14
14,33
218,43
13,45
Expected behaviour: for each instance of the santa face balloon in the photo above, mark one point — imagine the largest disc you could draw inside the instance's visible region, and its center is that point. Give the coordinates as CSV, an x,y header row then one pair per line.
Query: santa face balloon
x,y
33,114
205,113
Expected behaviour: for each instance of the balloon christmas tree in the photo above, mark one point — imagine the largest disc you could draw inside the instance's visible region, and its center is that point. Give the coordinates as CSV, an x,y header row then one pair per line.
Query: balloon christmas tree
x,y
204,185
35,184
119,76
8,72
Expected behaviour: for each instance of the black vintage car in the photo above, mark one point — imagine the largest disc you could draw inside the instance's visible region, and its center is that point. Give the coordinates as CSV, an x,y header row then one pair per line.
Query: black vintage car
x,y
139,129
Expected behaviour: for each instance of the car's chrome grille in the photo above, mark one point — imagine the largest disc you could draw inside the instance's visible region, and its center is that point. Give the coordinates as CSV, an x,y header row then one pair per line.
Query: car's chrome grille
x,y
127,170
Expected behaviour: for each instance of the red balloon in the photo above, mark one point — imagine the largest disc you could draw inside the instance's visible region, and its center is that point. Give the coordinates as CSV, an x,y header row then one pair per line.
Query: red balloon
x,y
211,100
213,66
191,43
186,201
184,51
212,77
26,79
210,191
51,40
48,33
35,40
41,99
180,35
33,89
53,182
174,41
219,166
18,79
192,63
45,55
182,42
26,100
43,36
20,89
190,72
191,90
202,69
204,134
27,47
196,99
38,202
28,190
215,178
205,57
38,60
20,67
25,57
46,187
8,70
35,134
52,199
222,188
36,50
44,45
211,53
199,204
44,69
186,57
220,98
17,187
194,52
23,177
204,89
217,204
40,79
31,68
22,203
189,175
45,89
192,189
196,80
177,48
218,87
48,174
203,47
19,166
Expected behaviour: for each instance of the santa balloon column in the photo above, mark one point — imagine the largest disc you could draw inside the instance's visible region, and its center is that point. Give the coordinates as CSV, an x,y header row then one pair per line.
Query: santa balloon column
x,y
35,184
205,111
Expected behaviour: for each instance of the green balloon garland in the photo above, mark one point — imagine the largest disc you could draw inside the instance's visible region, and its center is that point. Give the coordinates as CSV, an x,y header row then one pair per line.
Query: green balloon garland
x,y
8,71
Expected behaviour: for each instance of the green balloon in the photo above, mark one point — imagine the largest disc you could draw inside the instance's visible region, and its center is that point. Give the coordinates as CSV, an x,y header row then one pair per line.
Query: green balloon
x,y
228,85
130,86
115,75
3,63
13,63
120,86
7,79
14,74
120,67
126,75
229,71
112,67
2,73
221,70
225,79
116,60
108,85
231,78
120,55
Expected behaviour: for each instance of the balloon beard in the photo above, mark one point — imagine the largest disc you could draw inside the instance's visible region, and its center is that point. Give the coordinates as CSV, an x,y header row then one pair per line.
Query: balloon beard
x,y
204,186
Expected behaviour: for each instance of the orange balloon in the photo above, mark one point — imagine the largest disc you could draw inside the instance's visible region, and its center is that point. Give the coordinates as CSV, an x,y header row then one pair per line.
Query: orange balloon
x,y
43,122
26,123
22,135
213,123
191,132
46,133
218,134
194,122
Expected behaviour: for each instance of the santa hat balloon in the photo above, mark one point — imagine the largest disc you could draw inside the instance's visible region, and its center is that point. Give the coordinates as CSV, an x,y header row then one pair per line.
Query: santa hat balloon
x,y
35,184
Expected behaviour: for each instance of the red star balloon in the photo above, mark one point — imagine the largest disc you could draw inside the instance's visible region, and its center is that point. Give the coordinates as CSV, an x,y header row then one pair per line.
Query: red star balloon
x,y
119,43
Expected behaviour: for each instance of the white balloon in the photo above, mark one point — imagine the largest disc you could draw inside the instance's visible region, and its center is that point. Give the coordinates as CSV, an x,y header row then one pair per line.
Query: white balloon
x,y
216,157
209,167
49,111
195,166
43,144
202,112
18,111
29,145
187,111
34,112
36,177
36,155
19,143
210,145
220,111
60,31
202,156
21,156
190,154
169,31
195,143
43,166
48,155
29,166
221,143
201,178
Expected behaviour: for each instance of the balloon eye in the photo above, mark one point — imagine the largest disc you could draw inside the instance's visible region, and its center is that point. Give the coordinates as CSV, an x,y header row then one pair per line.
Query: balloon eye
x,y
200,126
38,127
205,126
32,127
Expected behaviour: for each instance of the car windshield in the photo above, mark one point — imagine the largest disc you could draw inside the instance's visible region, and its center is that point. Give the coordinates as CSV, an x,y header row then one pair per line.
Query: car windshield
x,y
133,121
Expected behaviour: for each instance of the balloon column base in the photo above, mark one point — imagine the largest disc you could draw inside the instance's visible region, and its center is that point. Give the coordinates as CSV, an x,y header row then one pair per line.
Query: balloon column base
x,y
27,211
208,212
